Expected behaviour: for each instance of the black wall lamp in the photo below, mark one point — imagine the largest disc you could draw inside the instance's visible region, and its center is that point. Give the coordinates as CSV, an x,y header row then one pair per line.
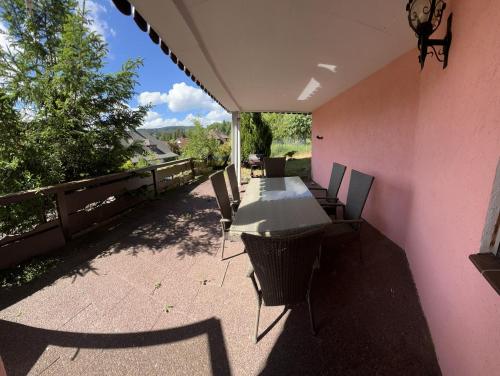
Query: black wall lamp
x,y
425,17
319,137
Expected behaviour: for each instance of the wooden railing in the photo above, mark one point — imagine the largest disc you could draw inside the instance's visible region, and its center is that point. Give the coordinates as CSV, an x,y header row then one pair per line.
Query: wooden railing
x,y
81,206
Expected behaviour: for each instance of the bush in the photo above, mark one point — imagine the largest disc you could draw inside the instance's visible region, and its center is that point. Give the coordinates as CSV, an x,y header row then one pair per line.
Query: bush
x,y
256,135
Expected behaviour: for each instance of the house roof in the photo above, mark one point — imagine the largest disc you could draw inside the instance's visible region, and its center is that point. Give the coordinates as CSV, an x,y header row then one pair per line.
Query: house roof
x,y
218,135
160,148
279,55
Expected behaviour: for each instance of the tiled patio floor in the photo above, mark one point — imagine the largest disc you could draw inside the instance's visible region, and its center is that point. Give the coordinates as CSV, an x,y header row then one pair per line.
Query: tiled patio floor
x,y
150,296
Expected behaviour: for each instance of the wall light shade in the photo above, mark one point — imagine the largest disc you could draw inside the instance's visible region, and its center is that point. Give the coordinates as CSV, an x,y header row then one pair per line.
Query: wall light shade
x,y
424,17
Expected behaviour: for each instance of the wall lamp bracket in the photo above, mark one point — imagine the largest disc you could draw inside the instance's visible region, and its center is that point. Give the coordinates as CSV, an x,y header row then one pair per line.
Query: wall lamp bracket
x,y
424,17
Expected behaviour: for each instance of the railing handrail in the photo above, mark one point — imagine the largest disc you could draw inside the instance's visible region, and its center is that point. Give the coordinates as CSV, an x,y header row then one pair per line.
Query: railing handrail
x,y
12,198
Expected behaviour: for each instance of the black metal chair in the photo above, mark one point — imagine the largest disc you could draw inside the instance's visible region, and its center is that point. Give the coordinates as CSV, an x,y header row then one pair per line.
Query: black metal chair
x,y
349,226
222,196
233,183
284,267
330,193
275,167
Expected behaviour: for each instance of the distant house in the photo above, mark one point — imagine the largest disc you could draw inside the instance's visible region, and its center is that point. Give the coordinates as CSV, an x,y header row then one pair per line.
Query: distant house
x,y
155,150
219,136
181,142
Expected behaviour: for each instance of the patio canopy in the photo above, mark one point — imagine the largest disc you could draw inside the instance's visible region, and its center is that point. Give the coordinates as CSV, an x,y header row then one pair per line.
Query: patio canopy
x,y
279,55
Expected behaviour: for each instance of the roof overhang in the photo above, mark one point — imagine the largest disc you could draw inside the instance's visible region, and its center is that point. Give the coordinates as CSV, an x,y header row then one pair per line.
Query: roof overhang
x,y
279,55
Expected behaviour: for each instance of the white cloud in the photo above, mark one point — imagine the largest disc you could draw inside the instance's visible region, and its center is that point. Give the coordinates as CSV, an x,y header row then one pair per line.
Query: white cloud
x,y
182,98
185,98
216,115
155,120
152,97
96,12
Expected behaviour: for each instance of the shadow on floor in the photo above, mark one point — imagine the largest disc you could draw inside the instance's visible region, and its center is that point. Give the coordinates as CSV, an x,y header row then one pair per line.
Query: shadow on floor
x,y
20,356
369,318
368,315
181,221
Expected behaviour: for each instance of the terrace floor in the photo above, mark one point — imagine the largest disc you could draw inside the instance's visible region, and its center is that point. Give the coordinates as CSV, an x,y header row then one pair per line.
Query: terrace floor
x,y
148,295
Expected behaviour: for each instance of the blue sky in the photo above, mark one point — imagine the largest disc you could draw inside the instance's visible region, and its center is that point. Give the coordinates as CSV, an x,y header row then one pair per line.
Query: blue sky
x,y
176,99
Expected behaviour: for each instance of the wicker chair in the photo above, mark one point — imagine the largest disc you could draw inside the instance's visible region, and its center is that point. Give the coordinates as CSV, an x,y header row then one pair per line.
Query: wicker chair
x,y
284,267
233,183
329,195
220,190
275,167
349,226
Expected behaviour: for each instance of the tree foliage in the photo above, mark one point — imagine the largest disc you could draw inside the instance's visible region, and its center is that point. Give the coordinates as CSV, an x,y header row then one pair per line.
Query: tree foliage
x,y
61,117
294,127
199,145
256,135
67,118
203,146
223,127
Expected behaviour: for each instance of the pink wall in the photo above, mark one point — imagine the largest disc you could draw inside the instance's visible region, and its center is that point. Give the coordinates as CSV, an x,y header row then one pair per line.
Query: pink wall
x,y
432,141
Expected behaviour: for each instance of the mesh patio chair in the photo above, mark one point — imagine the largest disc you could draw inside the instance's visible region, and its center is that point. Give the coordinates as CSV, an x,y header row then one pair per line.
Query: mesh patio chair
x,y
329,195
275,167
284,268
233,183
220,190
349,226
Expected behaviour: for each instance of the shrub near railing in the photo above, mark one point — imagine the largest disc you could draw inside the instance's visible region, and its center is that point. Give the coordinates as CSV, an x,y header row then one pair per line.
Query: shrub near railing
x,y
65,211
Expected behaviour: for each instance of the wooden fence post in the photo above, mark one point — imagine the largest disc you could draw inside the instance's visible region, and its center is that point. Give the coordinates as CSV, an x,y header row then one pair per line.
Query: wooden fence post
x,y
155,181
191,161
62,211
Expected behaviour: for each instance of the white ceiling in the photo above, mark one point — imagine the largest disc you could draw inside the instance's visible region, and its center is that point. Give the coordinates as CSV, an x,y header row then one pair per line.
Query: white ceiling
x,y
280,55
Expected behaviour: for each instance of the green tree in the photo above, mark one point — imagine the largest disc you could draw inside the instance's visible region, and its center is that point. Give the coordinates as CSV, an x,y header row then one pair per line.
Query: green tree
x,y
285,127
71,117
256,135
300,127
200,145
223,127
279,124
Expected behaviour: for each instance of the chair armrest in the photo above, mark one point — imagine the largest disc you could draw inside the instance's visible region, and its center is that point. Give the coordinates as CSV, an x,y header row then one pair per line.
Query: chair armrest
x,y
347,221
317,189
225,223
250,272
331,204
319,193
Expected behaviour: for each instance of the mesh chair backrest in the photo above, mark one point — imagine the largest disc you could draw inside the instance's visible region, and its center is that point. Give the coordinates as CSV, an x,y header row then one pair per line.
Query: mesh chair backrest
x,y
359,187
275,167
283,265
336,177
220,190
233,182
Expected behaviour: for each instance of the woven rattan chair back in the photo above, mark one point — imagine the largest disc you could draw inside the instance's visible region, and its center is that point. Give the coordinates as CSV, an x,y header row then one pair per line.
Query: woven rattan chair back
x,y
284,265
220,190
233,182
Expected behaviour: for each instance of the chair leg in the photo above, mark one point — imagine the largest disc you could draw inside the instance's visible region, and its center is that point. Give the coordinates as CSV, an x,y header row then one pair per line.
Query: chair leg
x,y
309,304
360,246
259,305
223,243
311,315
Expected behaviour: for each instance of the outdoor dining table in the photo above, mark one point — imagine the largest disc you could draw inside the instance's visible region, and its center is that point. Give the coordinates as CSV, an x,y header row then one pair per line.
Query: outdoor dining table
x,y
274,206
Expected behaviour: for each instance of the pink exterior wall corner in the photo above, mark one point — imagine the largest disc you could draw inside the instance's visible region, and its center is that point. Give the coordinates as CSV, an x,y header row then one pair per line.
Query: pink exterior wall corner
x,y
432,141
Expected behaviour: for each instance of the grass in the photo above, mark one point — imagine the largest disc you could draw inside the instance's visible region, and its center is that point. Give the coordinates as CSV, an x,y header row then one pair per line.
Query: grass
x,y
299,165
280,149
26,272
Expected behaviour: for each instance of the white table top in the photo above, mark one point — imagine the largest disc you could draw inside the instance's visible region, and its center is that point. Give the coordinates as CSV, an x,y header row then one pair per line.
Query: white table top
x,y
277,206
